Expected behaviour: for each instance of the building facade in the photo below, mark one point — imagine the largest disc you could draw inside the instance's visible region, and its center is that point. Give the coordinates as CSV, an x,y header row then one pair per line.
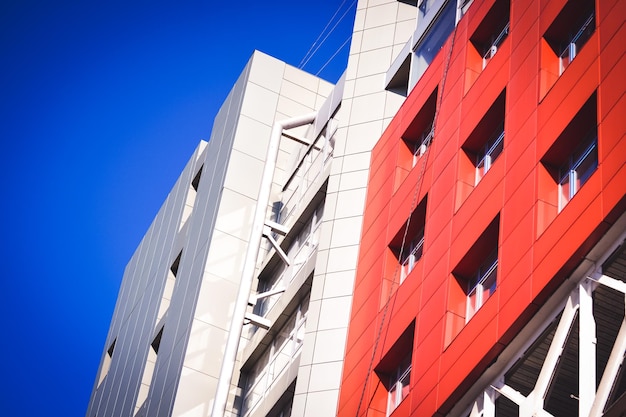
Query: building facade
x,y
172,319
491,278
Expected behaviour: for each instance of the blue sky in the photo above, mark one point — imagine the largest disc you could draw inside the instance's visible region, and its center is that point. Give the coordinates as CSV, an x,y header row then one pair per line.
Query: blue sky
x,y
102,104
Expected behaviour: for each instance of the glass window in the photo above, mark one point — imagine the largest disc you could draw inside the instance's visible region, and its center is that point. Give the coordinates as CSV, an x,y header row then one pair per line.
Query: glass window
x,y
399,385
281,352
419,134
407,246
414,253
571,48
498,38
423,144
577,170
434,39
489,153
482,285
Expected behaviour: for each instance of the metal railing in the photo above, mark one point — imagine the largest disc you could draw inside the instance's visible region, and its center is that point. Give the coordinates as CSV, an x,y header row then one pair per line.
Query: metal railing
x,y
491,51
572,48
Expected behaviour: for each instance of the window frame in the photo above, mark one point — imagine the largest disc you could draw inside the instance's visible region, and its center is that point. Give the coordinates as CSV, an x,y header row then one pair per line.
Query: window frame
x,y
489,153
414,254
283,349
486,272
399,384
421,146
407,246
492,49
569,177
568,52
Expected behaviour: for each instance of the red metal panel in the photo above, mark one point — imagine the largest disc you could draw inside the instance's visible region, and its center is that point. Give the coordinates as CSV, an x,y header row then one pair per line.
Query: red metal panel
x,y
536,250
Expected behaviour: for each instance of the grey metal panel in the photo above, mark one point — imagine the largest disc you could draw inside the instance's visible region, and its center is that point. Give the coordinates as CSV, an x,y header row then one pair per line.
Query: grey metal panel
x,y
138,303
202,224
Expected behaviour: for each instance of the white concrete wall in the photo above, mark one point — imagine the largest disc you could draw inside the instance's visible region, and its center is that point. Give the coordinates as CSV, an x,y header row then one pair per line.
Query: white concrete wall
x,y
269,90
213,239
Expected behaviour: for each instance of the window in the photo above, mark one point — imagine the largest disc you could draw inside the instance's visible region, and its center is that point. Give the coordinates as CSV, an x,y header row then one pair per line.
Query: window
x,y
434,38
569,50
191,198
568,164
399,384
486,40
148,370
416,139
300,248
424,6
422,144
477,271
474,280
482,147
281,352
414,254
399,82
407,246
578,168
464,5
492,31
564,39
419,134
482,285
168,291
491,50
489,153
394,370
106,362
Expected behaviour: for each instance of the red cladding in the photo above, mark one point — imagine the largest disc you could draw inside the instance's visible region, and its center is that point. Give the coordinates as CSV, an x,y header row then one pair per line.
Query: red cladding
x,y
515,206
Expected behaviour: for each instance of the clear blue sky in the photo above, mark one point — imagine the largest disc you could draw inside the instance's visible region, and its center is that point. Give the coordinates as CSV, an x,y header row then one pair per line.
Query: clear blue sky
x,y
102,104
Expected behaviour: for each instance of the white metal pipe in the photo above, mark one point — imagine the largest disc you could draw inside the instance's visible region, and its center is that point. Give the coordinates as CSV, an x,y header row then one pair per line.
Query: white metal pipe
x,y
249,266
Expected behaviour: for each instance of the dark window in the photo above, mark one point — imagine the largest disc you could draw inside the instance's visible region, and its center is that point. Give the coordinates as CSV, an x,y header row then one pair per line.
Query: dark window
x,y
419,134
486,142
573,157
476,273
394,370
408,243
492,31
571,29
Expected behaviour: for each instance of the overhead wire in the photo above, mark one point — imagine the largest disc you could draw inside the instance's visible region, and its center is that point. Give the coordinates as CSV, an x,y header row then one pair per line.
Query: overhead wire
x,y
408,222
315,46
321,33
334,55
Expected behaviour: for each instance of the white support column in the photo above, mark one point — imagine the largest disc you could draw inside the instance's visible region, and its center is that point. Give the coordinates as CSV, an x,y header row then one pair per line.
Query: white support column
x,y
610,372
267,232
554,352
511,394
489,403
587,349
610,282
476,410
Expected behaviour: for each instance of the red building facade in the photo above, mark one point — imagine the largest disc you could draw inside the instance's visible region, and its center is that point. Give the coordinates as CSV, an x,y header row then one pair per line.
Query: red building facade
x,y
491,276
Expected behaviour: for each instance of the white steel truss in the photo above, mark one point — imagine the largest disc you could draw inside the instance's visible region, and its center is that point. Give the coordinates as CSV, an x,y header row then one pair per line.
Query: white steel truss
x,y
577,315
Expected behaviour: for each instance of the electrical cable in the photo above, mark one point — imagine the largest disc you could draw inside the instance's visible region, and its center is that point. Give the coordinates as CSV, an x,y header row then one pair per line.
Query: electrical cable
x,y
311,54
334,55
321,33
406,228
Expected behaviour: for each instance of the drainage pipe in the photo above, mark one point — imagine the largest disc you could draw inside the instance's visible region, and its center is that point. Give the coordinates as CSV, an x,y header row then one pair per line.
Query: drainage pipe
x,y
249,266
